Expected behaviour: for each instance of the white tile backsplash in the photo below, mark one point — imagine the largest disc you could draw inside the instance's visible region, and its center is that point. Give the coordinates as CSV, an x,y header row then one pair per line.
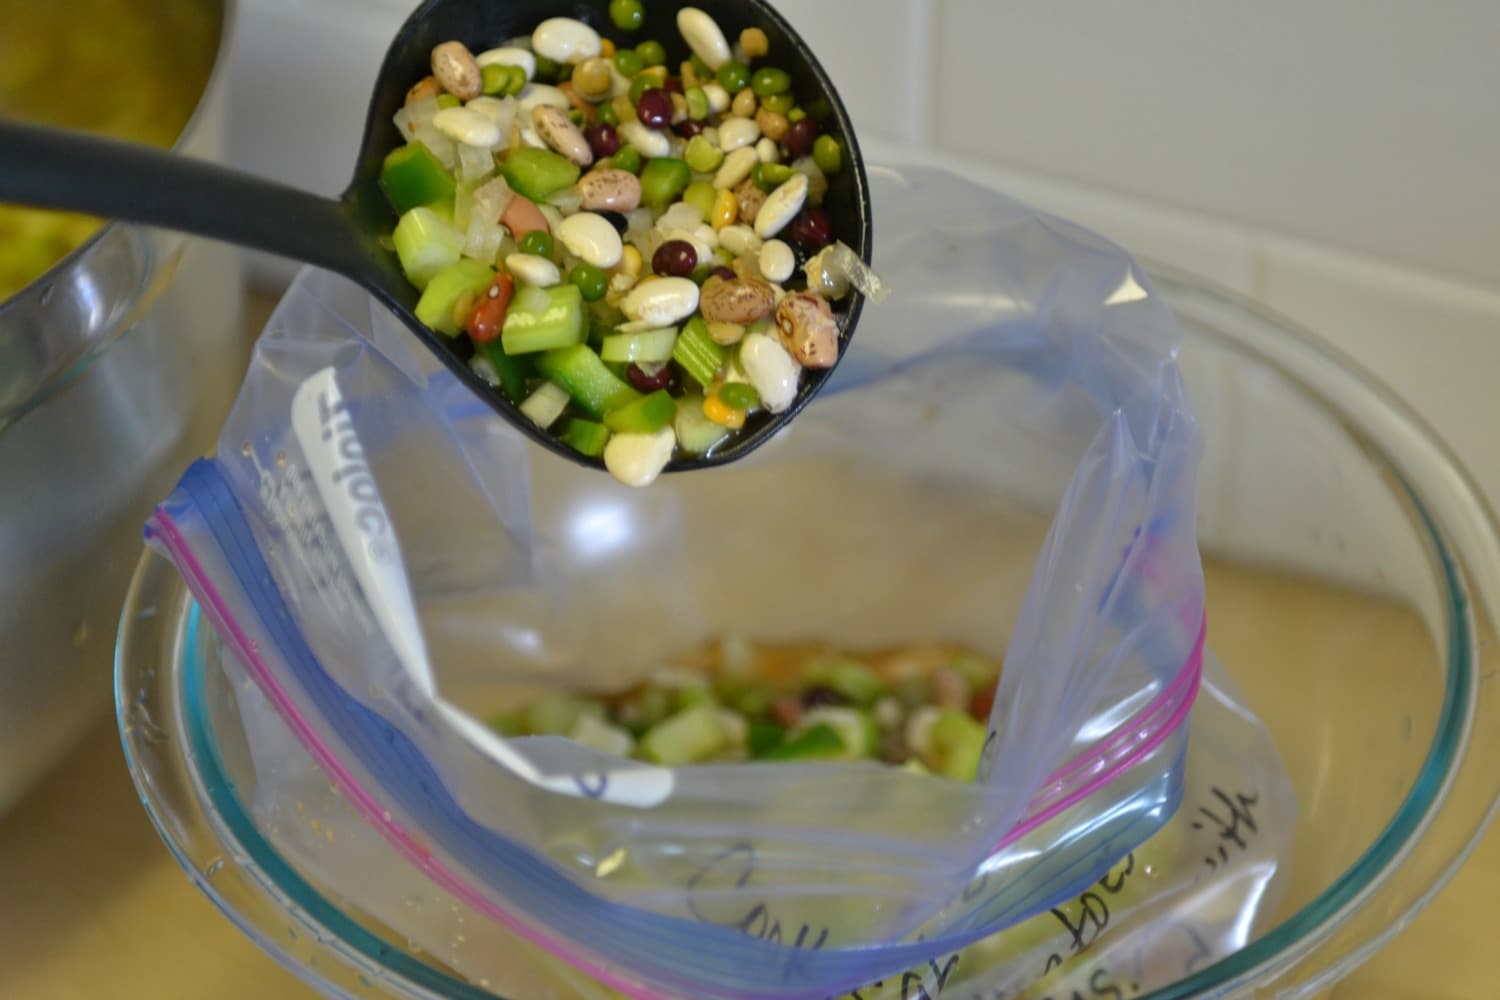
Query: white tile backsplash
x,y
876,52
1369,125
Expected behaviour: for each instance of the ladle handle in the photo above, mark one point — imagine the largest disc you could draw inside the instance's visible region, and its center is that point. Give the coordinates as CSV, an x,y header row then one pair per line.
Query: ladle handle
x,y
52,168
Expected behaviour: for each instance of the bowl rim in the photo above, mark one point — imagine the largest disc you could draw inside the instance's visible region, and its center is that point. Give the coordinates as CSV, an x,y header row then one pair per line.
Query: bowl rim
x,y
1279,950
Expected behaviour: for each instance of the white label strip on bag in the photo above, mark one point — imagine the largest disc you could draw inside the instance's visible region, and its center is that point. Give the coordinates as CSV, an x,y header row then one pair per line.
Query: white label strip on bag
x,y
345,483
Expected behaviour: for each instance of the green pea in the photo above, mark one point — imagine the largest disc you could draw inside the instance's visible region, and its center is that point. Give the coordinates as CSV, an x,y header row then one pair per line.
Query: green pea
x,y
701,195
546,69
652,52
828,154
700,67
770,176
627,15
641,84
494,79
703,156
779,103
769,80
577,117
628,159
538,242
697,103
591,281
734,76
606,113
795,115
518,80
663,179
629,62
701,274
448,101
739,395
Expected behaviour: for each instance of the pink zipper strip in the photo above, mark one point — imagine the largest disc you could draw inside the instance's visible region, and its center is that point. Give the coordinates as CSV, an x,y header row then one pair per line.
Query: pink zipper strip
x,y
1130,743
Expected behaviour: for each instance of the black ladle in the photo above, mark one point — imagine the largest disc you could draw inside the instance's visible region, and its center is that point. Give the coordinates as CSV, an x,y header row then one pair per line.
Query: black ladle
x,y
49,168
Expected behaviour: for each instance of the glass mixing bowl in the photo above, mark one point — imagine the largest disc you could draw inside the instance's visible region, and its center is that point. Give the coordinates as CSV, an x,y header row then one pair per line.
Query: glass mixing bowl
x,y
1353,586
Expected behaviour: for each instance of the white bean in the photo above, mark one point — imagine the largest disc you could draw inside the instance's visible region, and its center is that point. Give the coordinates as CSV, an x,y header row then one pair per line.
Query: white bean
x,y
662,302
501,111
508,56
538,95
735,168
648,141
740,240
530,269
703,36
565,40
718,98
781,207
774,373
767,151
738,132
468,127
637,459
591,238
777,261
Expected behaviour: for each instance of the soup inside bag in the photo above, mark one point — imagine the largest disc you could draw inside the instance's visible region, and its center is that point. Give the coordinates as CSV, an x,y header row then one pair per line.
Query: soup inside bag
x,y
911,699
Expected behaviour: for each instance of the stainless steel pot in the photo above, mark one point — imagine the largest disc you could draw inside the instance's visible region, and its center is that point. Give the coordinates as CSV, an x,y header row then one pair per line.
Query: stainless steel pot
x,y
116,369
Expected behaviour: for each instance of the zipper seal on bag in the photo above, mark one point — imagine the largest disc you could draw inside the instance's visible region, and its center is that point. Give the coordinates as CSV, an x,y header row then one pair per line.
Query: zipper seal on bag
x,y
1122,749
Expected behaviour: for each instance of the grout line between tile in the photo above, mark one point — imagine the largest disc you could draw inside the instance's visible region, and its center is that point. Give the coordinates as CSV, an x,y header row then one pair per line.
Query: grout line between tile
x,y
920,105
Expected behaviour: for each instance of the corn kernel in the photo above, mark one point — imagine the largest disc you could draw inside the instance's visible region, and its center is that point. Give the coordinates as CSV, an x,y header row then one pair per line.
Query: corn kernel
x,y
679,108
592,79
624,110
754,42
606,48
630,261
726,210
689,76
715,410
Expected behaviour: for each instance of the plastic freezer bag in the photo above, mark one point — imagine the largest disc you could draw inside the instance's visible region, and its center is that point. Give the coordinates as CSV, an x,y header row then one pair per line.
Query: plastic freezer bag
x,y
391,563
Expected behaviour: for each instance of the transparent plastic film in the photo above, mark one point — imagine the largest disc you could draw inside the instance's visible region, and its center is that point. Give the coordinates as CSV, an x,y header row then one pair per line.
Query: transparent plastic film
x,y
1006,461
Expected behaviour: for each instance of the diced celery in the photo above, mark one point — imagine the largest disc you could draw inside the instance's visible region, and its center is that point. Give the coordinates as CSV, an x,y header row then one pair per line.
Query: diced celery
x,y
585,436
512,372
646,415
426,242
648,345
593,386
696,434
850,678
542,319
957,742
546,405
440,297
558,714
857,731
820,742
765,737
602,736
538,173
691,735
412,177
697,353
